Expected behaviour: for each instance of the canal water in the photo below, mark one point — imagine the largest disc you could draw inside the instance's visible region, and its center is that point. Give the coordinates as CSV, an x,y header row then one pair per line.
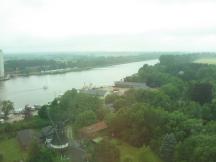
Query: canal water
x,y
44,88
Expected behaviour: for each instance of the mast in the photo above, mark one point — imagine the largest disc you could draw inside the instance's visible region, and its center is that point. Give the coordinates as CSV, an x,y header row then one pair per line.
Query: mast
x,y
1,65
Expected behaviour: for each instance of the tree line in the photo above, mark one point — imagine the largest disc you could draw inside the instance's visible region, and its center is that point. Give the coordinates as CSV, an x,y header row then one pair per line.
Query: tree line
x,y
26,66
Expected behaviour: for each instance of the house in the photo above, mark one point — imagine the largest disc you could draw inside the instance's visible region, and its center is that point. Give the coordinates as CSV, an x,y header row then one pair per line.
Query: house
x,y
26,137
92,130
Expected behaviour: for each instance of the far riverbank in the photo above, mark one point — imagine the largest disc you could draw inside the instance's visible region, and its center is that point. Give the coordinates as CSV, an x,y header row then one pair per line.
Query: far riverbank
x,y
66,70
15,67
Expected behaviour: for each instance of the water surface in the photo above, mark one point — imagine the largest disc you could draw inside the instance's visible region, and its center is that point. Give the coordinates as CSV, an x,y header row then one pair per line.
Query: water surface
x,y
29,90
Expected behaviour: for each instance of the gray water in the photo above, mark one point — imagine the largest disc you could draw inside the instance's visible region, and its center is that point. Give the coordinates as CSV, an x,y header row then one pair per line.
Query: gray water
x,y
29,90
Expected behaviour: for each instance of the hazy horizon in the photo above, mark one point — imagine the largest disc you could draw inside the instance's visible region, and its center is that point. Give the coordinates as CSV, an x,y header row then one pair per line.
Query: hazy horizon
x,y
102,53
101,25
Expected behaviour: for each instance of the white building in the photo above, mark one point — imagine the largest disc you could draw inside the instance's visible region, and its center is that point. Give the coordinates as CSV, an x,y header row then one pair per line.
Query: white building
x,y
1,65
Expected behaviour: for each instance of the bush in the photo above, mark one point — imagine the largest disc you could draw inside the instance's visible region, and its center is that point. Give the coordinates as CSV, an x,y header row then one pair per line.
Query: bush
x,y
106,152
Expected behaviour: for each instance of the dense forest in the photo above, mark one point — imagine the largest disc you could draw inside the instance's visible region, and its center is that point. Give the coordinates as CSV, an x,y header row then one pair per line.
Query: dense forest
x,y
177,116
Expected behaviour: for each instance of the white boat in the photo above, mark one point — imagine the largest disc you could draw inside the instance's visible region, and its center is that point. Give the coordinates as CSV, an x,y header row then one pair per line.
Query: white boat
x,y
45,87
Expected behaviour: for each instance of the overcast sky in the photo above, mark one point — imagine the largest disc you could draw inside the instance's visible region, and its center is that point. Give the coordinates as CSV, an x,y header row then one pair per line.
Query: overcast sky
x,y
107,25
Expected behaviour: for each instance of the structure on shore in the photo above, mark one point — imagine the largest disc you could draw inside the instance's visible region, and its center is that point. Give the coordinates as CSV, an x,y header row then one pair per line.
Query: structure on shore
x,y
1,65
135,85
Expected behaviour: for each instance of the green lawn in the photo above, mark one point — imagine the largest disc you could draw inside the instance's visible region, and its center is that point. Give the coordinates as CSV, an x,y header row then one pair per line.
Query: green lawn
x,y
11,151
136,154
206,61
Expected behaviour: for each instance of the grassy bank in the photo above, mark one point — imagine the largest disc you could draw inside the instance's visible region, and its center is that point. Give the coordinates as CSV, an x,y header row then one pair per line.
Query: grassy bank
x,y
206,61
11,150
135,154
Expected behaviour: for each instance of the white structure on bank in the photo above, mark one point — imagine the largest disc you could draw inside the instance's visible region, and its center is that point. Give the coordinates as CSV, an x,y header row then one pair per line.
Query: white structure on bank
x,y
1,65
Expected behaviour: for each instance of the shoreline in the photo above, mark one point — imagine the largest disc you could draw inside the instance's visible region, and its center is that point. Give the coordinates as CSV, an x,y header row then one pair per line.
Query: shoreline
x,y
67,70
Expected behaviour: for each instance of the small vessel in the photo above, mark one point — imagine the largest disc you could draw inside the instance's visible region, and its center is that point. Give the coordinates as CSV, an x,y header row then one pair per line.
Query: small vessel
x,y
45,87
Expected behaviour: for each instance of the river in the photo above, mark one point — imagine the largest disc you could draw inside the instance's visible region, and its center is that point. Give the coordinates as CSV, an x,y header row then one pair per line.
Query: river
x,y
29,90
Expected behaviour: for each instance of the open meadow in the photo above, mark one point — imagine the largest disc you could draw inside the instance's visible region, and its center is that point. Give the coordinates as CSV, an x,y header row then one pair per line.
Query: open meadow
x,y
206,61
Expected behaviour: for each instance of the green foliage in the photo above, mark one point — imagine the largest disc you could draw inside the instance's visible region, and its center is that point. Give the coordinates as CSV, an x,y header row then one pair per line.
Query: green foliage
x,y
43,112
39,154
154,97
7,106
128,159
176,59
110,98
146,155
201,92
173,90
71,104
106,152
182,104
199,148
1,158
85,118
11,150
167,148
8,129
35,66
142,122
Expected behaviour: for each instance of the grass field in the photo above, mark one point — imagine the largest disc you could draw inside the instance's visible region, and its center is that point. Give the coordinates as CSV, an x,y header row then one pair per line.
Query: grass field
x,y
206,61
11,151
135,154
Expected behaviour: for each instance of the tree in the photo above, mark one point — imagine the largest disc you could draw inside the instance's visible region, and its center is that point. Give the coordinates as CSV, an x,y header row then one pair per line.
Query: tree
x,y
39,154
171,90
43,112
7,106
167,148
85,118
201,92
197,148
71,104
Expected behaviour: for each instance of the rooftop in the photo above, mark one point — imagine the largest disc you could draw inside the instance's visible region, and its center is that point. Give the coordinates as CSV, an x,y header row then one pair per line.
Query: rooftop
x,y
94,128
131,84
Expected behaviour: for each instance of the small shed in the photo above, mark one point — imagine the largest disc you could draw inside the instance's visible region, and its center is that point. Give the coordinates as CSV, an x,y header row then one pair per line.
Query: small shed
x,y
26,137
90,131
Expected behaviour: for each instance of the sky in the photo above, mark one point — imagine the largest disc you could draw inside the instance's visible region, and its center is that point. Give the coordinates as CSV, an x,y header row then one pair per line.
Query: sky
x,y
107,25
